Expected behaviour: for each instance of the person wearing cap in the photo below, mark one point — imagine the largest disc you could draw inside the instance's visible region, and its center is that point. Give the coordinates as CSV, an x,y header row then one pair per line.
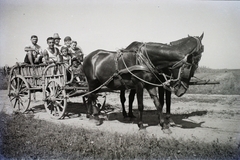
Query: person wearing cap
x,y
57,41
34,52
51,53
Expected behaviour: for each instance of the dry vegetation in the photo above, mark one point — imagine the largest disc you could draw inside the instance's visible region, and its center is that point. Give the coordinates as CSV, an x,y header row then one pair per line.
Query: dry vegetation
x,y
24,137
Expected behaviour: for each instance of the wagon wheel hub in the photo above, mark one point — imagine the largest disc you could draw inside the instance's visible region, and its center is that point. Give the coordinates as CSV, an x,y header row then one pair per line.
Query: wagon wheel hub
x,y
52,99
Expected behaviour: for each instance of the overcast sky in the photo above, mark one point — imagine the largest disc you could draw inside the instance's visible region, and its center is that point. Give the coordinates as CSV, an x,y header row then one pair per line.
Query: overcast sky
x,y
111,25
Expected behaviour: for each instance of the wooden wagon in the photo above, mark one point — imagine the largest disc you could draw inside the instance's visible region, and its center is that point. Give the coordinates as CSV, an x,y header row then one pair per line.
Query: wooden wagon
x,y
55,81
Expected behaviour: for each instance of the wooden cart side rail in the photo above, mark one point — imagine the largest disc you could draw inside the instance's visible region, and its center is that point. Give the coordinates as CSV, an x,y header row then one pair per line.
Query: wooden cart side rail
x,y
57,71
31,73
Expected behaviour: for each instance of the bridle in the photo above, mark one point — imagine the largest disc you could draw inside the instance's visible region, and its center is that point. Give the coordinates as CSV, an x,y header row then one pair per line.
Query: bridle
x,y
183,65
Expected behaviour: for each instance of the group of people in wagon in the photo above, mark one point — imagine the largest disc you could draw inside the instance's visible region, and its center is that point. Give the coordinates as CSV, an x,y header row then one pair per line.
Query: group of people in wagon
x,y
69,54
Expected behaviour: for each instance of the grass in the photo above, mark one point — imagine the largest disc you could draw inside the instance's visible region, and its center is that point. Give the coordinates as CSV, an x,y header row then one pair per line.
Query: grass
x,y
24,137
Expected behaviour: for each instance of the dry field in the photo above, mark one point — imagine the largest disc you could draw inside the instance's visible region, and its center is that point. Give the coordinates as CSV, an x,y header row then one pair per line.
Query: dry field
x,y
199,117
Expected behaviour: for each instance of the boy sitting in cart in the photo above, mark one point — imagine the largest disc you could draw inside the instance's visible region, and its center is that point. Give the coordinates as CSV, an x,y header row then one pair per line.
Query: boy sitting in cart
x,y
67,58
77,69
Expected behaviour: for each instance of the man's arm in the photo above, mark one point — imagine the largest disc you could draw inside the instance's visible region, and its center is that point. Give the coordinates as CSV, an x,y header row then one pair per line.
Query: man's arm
x,y
30,57
45,56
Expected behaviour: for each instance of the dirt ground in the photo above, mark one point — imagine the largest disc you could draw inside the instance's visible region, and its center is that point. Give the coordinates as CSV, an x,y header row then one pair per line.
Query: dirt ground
x,y
203,118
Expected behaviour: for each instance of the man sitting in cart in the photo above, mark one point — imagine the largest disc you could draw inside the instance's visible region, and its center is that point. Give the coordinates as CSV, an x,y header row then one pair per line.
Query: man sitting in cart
x,y
34,52
32,57
51,53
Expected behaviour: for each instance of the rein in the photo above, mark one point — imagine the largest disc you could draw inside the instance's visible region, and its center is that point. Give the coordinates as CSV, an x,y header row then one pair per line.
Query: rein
x,y
145,61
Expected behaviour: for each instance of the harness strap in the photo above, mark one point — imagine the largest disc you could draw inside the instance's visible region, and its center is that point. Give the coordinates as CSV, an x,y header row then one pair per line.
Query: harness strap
x,y
117,74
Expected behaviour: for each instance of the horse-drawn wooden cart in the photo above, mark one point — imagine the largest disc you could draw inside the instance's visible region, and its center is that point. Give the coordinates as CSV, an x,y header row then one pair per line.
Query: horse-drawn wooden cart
x,y
55,81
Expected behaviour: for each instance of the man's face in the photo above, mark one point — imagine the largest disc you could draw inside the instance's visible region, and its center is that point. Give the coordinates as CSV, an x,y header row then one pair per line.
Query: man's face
x,y
34,40
57,41
50,43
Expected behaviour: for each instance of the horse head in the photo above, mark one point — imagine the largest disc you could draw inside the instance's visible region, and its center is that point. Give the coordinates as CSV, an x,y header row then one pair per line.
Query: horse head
x,y
183,70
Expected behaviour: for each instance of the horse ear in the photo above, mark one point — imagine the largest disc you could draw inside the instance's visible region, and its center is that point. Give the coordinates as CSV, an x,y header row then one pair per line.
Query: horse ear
x,y
201,37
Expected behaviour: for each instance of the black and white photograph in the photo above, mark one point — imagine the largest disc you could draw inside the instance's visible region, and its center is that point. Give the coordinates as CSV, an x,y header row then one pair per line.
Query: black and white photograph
x,y
122,79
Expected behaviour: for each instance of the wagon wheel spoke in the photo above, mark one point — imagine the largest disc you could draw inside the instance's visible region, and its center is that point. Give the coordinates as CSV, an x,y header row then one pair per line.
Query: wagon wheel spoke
x,y
13,87
23,101
58,93
19,94
11,99
58,107
17,83
23,91
20,85
15,103
55,103
19,105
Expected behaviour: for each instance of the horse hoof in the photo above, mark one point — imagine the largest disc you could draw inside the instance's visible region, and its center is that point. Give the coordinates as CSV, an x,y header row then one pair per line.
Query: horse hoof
x,y
140,125
131,116
88,115
167,131
98,121
124,114
171,122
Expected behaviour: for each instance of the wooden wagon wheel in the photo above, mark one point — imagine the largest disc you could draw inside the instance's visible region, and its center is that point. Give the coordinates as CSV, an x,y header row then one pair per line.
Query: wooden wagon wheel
x,y
55,99
19,93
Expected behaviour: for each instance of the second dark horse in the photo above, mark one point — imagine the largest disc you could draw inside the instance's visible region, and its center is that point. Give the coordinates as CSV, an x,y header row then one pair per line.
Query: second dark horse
x,y
137,70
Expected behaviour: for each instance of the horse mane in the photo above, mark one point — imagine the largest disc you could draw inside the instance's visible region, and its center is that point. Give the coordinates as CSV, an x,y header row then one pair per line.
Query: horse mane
x,y
178,42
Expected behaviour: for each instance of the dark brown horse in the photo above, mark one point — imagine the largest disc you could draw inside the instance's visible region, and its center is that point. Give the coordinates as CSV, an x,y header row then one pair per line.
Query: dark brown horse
x,y
134,46
137,70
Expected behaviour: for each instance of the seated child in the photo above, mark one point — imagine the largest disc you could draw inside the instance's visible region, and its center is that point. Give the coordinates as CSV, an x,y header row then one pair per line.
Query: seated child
x,y
66,57
77,70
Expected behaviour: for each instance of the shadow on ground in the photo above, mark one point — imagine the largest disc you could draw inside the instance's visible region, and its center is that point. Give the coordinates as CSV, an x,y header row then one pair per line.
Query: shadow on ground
x,y
150,117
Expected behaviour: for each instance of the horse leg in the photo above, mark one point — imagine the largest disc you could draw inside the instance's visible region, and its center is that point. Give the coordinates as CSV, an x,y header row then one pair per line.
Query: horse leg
x,y
153,94
161,95
139,90
93,110
168,104
131,99
123,99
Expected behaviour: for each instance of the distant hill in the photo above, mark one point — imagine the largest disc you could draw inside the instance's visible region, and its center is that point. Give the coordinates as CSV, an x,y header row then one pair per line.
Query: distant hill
x,y
229,81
